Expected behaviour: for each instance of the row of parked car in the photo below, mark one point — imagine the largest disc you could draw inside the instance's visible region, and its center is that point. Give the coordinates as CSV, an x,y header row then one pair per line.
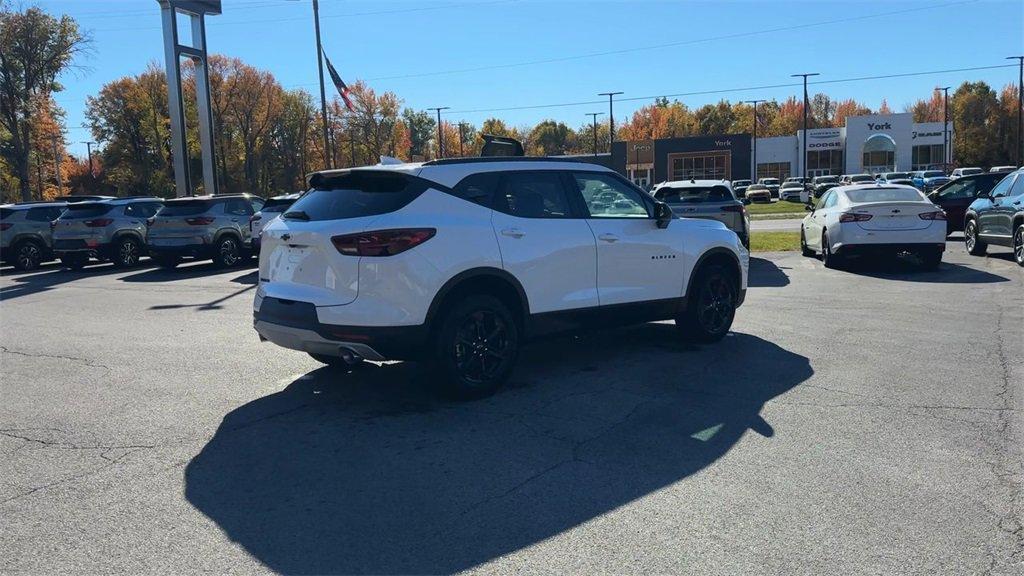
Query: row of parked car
x,y
78,229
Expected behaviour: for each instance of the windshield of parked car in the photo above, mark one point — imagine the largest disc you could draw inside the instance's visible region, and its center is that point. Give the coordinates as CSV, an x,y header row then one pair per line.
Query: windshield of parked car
x,y
862,178
85,210
185,207
741,182
792,185
355,195
757,187
896,175
693,194
770,181
932,174
826,179
884,195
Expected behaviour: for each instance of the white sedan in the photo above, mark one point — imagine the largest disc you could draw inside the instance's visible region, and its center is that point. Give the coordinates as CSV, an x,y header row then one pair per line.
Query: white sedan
x,y
874,219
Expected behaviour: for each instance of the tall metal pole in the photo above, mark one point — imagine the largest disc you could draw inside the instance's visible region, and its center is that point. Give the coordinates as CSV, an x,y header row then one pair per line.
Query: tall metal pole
x,y
593,116
753,177
611,117
803,141
440,134
323,92
88,147
1020,108
946,156
462,138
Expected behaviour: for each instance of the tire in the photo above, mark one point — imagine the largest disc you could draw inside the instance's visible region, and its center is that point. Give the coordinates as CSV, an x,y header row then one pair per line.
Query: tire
x,y
930,259
475,347
829,259
166,262
804,249
1018,244
711,306
229,252
974,245
335,361
74,261
28,254
127,252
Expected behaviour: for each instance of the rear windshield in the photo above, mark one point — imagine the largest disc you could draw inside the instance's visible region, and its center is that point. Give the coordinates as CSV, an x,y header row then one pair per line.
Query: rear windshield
x,y
770,181
826,179
884,195
861,178
185,208
933,174
85,210
897,175
693,194
355,195
757,187
5,212
274,205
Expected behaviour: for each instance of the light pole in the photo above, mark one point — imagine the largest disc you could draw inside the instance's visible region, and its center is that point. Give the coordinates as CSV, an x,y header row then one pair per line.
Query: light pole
x,y
440,135
946,156
323,93
611,117
593,116
803,141
462,138
88,147
755,103
1020,108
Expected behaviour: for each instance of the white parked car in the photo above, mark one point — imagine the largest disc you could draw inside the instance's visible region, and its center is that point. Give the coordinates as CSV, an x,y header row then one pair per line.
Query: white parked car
x,y
791,190
458,262
874,219
958,172
271,209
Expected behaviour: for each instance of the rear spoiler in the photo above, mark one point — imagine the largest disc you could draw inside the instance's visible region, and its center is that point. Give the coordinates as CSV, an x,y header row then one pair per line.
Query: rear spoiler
x,y
501,146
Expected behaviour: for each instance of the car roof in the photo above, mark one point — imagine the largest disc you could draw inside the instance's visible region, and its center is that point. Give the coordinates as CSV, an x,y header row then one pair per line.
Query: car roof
x,y
34,204
211,197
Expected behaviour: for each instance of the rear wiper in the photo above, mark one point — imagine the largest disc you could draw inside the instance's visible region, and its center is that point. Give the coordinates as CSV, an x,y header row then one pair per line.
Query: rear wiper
x,y
296,215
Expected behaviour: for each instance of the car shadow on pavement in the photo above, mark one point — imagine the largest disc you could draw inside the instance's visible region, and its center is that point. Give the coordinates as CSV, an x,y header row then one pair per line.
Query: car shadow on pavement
x,y
908,271
766,274
189,271
367,471
27,283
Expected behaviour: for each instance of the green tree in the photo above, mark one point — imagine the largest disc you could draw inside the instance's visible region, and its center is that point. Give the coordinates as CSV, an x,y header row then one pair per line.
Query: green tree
x,y
551,138
421,128
974,108
35,49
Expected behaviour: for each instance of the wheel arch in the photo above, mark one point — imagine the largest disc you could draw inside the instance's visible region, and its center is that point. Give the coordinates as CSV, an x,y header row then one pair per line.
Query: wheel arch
x,y
716,255
486,280
133,233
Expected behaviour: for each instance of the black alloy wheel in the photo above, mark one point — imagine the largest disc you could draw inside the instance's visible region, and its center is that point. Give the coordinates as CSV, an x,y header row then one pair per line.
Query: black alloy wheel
x,y
27,256
712,307
476,347
128,253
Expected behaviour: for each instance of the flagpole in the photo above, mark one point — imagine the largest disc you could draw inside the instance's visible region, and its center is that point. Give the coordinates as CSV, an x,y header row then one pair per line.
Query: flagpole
x,y
323,94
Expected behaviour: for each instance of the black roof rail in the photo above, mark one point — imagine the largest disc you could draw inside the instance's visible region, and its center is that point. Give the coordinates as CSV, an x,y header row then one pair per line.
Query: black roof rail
x,y
143,197
30,202
491,159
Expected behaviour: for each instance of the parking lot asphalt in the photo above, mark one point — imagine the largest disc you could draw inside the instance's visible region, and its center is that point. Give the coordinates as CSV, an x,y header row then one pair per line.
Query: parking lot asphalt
x,y
855,422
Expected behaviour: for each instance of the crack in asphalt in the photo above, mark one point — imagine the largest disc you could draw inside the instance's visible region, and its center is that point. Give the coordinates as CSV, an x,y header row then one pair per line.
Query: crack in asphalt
x,y
84,361
104,455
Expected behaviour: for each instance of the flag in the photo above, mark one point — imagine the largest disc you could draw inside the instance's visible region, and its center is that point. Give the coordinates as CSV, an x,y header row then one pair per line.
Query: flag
x,y
340,85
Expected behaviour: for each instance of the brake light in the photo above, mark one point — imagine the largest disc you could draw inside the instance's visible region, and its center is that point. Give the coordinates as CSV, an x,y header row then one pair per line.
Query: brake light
x,y
940,215
854,217
734,208
382,242
98,222
199,221
6,225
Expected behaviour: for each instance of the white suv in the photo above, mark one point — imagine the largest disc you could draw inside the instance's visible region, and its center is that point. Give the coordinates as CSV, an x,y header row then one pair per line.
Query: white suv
x,y
458,262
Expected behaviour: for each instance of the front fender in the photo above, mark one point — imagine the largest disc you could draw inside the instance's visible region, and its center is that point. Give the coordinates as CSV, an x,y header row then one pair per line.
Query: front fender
x,y
704,238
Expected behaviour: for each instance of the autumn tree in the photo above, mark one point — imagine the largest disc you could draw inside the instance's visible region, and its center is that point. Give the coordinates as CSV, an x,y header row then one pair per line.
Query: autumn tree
x,y
551,138
421,128
974,108
35,49
847,108
930,110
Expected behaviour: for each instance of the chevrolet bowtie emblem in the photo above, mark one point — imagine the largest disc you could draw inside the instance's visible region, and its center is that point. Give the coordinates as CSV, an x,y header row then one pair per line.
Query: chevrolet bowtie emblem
x,y
286,237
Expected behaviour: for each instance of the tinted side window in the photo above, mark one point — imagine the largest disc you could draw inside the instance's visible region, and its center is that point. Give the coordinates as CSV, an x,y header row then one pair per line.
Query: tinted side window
x,y
1018,186
478,188
533,195
1003,188
238,207
142,209
256,203
42,214
960,189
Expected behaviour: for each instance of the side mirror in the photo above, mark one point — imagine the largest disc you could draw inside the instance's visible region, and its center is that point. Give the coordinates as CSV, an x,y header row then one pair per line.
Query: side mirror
x,y
663,214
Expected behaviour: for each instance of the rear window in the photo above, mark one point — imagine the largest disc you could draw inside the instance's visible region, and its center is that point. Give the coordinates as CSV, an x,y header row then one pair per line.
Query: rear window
x,y
884,195
354,195
770,181
185,208
694,194
273,205
933,174
85,210
5,212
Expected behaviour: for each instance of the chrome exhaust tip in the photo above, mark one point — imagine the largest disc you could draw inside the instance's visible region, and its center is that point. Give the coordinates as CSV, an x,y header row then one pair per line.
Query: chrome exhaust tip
x,y
349,356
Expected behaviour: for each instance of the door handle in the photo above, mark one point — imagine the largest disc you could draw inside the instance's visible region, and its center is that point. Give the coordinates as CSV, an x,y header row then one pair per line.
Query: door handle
x,y
1017,203
608,237
513,232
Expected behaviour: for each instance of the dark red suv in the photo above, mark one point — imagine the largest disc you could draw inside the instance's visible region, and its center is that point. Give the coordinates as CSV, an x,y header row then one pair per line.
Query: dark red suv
x,y
955,196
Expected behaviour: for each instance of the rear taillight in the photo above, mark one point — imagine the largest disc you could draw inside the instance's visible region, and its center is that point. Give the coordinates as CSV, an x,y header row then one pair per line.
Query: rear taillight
x,y
734,208
98,222
199,221
854,217
382,242
940,215
7,225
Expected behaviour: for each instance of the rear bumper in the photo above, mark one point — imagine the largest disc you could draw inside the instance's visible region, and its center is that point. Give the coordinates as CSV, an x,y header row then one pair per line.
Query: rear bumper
x,y
860,250
295,325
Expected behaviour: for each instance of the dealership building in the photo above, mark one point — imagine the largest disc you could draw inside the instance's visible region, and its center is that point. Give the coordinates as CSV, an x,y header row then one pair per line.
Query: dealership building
x,y
867,144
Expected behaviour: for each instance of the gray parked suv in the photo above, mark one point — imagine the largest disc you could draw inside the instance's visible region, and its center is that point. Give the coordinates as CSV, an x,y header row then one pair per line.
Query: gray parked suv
x,y
25,236
113,230
203,227
711,199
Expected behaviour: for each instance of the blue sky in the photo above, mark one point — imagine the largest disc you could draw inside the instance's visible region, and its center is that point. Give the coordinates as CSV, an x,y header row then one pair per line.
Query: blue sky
x,y
559,51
